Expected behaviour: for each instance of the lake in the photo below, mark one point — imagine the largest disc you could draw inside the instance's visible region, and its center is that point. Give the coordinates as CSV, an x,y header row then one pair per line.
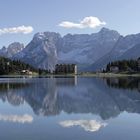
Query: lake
x,y
70,108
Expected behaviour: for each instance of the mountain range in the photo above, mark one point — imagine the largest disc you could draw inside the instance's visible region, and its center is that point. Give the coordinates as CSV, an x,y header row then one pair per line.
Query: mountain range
x,y
89,51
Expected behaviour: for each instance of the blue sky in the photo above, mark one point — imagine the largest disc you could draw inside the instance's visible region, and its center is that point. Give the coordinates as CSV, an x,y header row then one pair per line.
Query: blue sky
x,y
47,15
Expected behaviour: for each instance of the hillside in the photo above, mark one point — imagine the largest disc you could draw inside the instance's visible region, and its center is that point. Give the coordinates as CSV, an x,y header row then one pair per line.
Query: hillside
x,y
90,52
46,49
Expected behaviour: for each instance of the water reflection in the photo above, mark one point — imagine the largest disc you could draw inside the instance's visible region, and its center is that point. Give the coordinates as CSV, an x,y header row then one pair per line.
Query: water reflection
x,y
50,96
12,91
124,83
87,125
17,118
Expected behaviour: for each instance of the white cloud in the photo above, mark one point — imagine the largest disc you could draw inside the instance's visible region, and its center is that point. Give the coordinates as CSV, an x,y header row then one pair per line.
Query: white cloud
x,y
88,125
87,22
14,30
17,118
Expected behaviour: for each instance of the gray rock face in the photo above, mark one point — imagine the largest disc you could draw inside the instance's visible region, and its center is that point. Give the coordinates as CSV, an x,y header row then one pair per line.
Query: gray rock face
x,y
41,52
89,51
84,49
48,48
11,50
125,48
132,53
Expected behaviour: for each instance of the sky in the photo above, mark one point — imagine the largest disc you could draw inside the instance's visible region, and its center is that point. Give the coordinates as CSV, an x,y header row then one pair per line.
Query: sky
x,y
21,19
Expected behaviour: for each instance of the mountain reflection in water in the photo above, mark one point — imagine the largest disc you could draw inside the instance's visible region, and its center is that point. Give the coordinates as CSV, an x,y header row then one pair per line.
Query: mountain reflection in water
x,y
49,96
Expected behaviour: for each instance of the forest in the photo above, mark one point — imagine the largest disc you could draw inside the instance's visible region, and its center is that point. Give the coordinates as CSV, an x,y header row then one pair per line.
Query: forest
x,y
124,65
8,66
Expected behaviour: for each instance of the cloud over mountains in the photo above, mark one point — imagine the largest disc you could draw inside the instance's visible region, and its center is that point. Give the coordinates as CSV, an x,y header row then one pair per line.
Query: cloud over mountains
x,y
87,22
14,30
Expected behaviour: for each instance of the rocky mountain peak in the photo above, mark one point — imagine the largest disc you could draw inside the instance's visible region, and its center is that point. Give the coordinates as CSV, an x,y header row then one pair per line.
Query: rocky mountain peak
x,y
46,36
46,49
11,50
104,30
107,32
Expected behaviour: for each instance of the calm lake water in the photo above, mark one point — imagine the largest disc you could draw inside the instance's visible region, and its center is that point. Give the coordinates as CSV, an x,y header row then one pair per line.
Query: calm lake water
x,y
69,108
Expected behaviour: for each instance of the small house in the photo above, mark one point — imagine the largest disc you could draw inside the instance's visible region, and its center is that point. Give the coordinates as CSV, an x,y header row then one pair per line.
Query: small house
x,y
27,72
114,69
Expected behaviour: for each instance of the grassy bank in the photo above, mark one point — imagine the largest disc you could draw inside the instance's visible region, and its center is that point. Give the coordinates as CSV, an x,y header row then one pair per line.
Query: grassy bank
x,y
72,75
111,74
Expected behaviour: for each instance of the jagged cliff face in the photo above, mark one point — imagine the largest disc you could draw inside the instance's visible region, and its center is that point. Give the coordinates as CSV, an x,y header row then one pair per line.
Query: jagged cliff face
x,y
48,48
11,50
125,48
85,49
89,51
41,52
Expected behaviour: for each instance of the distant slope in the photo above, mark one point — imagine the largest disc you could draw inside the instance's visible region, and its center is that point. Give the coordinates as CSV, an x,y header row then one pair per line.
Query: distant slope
x,y
49,48
132,53
41,52
85,49
11,50
124,44
89,51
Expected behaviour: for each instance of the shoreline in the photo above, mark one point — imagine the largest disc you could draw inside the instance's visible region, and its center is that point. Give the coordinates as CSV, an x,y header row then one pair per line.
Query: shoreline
x,y
110,75
102,75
